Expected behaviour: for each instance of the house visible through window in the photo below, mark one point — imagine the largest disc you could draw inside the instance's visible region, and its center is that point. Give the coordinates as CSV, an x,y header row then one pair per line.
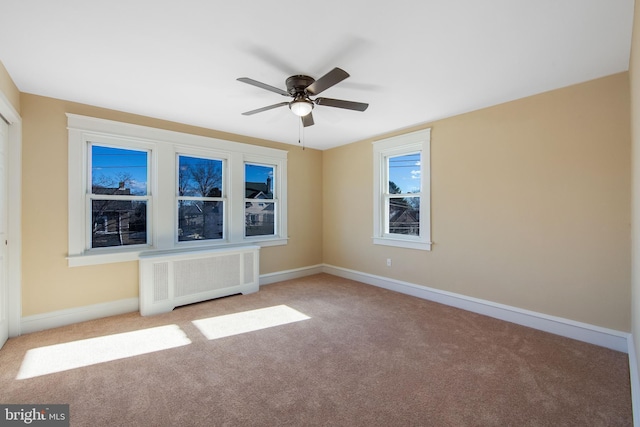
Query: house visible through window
x,y
260,200
402,191
119,196
402,204
200,199
134,188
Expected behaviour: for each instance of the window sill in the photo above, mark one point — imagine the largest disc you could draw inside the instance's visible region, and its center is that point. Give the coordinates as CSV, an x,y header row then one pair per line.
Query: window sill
x,y
401,243
103,257
86,259
274,241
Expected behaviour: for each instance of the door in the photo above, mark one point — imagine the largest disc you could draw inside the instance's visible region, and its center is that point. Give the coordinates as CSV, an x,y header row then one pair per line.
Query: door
x,y
4,286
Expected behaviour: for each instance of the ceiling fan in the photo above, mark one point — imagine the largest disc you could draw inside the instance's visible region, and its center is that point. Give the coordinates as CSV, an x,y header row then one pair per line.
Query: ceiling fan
x,y
301,88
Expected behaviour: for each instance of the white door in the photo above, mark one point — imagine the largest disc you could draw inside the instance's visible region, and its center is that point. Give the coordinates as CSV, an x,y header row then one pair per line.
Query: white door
x,y
4,286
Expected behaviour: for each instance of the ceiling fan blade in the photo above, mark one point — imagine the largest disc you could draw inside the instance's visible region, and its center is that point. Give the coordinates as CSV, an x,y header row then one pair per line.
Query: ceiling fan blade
x,y
307,120
261,85
269,107
339,103
333,77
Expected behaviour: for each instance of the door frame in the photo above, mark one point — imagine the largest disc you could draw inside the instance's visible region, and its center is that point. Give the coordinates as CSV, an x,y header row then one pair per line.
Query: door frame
x,y
14,214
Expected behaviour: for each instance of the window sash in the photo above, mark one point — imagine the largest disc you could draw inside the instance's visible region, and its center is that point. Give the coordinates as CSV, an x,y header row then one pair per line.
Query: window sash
x,y
252,219
388,198
252,212
89,222
195,226
114,229
119,146
223,166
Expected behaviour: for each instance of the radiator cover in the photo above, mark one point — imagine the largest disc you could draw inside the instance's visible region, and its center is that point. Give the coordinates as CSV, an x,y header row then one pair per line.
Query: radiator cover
x,y
170,279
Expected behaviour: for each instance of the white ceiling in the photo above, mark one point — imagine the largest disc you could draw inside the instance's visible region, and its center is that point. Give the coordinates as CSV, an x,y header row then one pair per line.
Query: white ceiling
x,y
413,61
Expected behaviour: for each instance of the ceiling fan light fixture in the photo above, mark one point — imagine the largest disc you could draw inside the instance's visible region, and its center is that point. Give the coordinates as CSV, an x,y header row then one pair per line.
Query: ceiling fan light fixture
x,y
301,107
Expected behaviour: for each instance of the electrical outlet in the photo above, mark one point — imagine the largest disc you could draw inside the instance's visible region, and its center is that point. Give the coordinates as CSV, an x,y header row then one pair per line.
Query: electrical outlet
x,y
388,262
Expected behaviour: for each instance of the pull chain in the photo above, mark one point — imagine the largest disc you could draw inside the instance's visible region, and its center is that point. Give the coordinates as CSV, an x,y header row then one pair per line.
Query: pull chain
x,y
301,134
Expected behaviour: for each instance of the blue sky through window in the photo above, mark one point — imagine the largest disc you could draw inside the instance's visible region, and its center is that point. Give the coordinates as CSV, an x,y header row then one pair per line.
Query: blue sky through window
x,y
112,166
258,173
404,171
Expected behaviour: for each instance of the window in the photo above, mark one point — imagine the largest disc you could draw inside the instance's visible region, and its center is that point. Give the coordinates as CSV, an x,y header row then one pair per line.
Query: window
x,y
200,199
134,188
402,191
119,198
260,201
402,205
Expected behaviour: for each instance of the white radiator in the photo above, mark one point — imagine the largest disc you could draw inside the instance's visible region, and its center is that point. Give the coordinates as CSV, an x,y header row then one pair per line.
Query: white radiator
x,y
171,279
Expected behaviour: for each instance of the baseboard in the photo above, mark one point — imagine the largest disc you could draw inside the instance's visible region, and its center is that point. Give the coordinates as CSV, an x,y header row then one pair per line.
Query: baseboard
x,y
54,319
280,276
608,338
585,332
635,381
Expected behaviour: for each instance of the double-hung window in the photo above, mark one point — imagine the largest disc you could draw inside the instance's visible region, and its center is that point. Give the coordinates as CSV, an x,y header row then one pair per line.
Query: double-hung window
x,y
201,198
134,188
402,191
260,203
119,196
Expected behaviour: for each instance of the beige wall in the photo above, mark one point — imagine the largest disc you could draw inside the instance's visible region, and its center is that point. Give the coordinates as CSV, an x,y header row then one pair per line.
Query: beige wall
x,y
530,206
634,78
49,285
8,88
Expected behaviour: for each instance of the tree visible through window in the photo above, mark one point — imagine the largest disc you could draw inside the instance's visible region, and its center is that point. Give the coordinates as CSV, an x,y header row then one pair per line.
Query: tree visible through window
x,y
260,201
404,205
200,199
135,189
402,191
119,196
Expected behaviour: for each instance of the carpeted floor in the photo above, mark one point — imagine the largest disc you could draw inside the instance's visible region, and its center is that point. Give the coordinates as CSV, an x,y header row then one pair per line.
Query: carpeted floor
x,y
352,355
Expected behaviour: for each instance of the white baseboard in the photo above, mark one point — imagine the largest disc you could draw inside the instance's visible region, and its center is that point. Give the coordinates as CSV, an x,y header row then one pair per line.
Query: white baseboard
x,y
54,319
280,276
635,381
608,338
585,332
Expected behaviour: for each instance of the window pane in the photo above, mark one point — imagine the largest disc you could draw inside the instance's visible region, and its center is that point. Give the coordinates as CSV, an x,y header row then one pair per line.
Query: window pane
x,y
404,174
199,177
118,223
118,171
404,216
259,218
200,220
258,181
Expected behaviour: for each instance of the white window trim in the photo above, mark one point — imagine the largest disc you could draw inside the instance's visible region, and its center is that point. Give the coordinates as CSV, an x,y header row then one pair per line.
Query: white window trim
x,y
164,146
280,194
396,146
151,189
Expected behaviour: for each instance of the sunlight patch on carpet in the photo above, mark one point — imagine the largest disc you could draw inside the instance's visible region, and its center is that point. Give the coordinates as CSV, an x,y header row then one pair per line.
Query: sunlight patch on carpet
x,y
76,354
248,321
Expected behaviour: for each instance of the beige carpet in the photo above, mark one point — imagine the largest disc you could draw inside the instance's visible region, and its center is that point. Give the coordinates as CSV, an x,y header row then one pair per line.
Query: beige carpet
x,y
351,355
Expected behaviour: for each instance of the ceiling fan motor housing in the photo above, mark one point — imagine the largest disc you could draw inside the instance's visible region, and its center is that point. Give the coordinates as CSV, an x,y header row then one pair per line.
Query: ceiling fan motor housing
x,y
297,84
